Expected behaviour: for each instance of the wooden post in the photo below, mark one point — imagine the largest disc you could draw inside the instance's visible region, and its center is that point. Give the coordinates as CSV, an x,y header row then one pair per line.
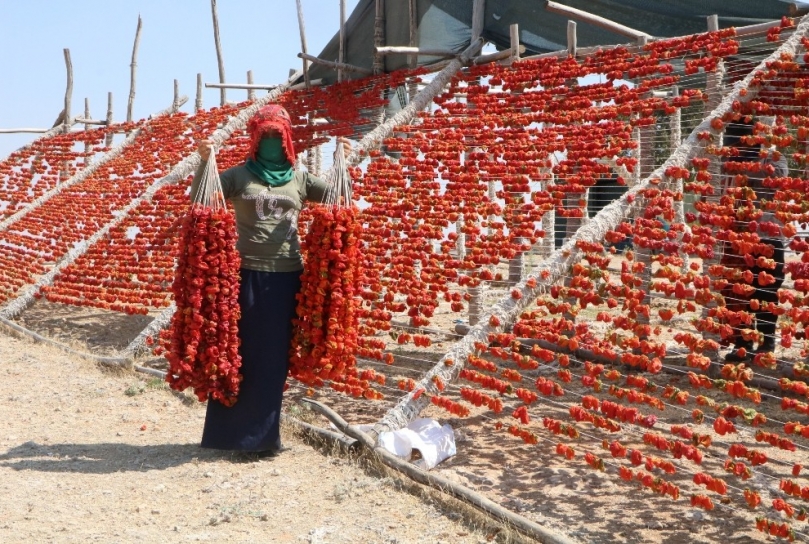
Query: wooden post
x,y
379,36
110,135
133,67
220,61
342,55
478,18
86,127
413,60
675,139
302,29
198,101
548,221
595,20
514,35
571,38
251,93
68,91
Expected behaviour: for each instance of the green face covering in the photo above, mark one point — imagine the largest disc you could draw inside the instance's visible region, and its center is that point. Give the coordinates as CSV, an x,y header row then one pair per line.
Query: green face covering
x,y
271,164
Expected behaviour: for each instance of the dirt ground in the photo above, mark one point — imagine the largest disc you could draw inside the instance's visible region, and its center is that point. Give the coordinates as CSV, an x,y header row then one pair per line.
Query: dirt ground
x,y
76,466
92,455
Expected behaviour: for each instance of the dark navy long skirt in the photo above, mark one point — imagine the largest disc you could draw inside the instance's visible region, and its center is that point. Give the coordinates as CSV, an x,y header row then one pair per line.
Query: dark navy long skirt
x,y
267,301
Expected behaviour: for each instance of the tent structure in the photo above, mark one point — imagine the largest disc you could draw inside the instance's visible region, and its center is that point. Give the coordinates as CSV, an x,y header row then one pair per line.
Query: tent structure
x,y
446,25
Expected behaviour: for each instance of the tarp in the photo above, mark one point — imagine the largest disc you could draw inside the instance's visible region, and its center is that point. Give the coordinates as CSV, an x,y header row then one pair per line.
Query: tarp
x,y
447,25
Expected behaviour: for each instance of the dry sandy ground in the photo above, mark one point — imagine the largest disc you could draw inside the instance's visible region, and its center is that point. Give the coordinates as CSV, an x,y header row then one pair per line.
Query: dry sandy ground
x,y
88,455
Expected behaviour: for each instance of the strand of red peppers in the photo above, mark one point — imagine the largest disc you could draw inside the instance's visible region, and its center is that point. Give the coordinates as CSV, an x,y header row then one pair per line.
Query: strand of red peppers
x,y
202,341
324,343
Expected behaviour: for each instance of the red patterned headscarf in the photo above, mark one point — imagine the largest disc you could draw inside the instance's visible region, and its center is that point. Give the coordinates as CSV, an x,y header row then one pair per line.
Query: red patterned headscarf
x,y
271,117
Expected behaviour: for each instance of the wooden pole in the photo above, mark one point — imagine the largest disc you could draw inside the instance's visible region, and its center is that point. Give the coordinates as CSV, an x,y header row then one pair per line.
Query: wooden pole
x,y
514,35
108,141
251,93
342,56
220,61
379,36
86,127
478,18
335,65
198,101
413,60
175,103
571,39
133,67
302,29
68,90
612,26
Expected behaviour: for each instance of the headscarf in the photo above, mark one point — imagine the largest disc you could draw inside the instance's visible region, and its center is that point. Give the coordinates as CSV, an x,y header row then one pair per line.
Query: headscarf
x,y
263,158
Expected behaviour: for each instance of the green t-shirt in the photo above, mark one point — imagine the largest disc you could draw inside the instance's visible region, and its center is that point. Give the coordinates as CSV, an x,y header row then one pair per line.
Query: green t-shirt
x,y
267,217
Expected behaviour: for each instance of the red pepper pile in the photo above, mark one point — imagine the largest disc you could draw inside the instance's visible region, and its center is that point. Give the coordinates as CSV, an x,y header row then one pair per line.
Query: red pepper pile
x,y
202,341
325,339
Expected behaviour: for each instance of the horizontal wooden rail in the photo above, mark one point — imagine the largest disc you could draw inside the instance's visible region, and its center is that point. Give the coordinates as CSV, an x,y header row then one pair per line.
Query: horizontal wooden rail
x,y
595,20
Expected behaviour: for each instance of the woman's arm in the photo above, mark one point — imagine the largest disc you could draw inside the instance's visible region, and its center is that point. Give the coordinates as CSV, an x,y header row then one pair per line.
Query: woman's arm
x,y
205,148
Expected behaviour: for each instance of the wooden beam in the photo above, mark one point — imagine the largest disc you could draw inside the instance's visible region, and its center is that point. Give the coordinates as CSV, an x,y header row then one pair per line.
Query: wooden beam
x,y
571,39
133,68
68,90
335,65
342,55
108,140
595,20
412,10
198,101
797,11
260,86
302,29
219,59
25,130
89,120
405,50
492,57
514,36
379,36
251,93
478,18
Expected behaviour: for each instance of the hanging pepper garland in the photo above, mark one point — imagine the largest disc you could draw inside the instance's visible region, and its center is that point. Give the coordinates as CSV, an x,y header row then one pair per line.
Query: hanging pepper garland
x,y
324,344
202,341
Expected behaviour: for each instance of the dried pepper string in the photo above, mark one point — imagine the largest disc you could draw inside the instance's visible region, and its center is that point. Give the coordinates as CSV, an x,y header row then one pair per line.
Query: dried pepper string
x,y
202,341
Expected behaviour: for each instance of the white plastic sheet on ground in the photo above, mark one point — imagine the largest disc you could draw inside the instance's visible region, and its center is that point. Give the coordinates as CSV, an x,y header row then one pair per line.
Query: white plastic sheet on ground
x,y
435,442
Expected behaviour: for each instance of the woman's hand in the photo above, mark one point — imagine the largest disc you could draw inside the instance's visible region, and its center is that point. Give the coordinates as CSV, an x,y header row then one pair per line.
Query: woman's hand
x,y
346,145
204,148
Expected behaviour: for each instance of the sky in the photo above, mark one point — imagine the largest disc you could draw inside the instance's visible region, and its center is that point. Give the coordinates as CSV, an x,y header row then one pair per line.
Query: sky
x,y
176,42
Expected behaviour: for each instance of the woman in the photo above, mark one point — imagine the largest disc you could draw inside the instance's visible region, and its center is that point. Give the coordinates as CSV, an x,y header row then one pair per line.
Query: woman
x,y
738,135
267,194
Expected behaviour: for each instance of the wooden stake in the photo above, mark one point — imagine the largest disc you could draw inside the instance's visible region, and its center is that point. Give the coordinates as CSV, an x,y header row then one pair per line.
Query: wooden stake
x,y
571,39
302,29
379,36
133,67
612,26
108,141
198,101
220,61
251,93
86,127
175,104
514,34
413,60
335,65
342,58
478,18
68,90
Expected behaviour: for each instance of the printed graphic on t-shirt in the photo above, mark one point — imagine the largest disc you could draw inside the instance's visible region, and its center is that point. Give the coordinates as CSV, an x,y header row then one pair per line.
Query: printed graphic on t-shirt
x,y
278,207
